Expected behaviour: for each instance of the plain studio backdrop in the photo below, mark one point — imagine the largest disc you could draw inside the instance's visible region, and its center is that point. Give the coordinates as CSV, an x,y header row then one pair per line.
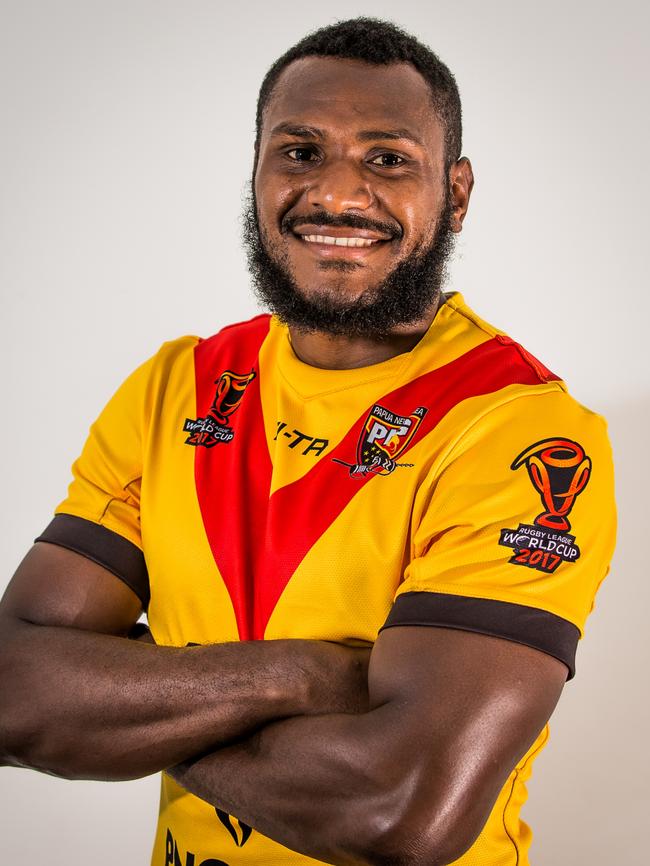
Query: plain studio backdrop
x,y
126,144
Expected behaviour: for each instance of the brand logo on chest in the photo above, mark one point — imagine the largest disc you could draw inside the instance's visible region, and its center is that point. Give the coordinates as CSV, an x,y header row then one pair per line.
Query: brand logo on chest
x,y
306,444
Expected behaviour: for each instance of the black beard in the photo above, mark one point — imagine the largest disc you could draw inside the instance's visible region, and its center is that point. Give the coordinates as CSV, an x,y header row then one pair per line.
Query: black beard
x,y
404,297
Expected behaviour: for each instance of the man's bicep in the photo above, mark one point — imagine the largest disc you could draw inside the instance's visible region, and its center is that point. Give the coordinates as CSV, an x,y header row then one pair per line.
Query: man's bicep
x,y
469,708
55,586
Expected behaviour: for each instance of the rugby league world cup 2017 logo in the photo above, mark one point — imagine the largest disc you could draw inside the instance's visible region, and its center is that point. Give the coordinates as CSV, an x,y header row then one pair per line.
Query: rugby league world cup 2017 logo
x,y
215,426
559,470
383,437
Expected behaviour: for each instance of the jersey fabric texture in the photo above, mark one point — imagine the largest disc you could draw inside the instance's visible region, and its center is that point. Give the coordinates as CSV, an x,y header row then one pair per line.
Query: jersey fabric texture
x,y
243,494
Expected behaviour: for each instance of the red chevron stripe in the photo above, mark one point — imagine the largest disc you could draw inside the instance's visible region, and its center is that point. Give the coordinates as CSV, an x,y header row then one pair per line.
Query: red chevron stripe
x,y
257,549
322,494
233,478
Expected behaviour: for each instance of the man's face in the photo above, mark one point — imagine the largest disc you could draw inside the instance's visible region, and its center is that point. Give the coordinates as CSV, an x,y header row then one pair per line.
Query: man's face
x,y
348,230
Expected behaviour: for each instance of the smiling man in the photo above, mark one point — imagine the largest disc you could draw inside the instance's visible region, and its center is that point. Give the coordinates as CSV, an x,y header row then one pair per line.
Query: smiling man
x,y
347,253
371,466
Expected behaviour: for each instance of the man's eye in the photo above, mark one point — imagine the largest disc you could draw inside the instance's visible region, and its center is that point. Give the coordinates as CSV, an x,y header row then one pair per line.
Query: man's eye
x,y
388,160
300,154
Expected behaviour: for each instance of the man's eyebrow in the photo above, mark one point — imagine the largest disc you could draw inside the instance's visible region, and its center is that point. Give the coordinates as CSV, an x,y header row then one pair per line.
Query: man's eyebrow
x,y
297,130
392,134
303,131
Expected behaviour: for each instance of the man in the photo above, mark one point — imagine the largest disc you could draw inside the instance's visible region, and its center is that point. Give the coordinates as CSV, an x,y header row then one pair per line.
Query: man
x,y
374,465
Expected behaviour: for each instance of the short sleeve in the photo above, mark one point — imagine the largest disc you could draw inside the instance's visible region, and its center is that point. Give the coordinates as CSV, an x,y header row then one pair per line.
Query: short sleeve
x,y
100,517
516,530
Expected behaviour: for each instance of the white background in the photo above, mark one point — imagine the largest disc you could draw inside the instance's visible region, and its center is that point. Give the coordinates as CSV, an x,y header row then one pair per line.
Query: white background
x,y
125,144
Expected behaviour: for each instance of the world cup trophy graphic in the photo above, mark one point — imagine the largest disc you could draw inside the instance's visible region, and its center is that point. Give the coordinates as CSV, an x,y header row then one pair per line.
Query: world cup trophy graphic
x,y
559,470
230,390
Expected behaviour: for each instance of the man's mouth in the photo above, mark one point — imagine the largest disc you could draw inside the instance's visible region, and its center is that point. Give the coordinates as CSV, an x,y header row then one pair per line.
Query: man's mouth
x,y
335,239
339,242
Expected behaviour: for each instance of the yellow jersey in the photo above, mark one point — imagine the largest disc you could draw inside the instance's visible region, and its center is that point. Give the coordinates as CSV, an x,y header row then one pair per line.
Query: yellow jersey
x,y
246,495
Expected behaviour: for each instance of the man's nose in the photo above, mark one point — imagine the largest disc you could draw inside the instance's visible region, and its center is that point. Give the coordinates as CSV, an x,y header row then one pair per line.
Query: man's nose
x,y
340,186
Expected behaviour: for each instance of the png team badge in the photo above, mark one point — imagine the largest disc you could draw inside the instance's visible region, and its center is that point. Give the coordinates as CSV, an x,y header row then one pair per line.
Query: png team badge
x,y
384,436
215,426
559,470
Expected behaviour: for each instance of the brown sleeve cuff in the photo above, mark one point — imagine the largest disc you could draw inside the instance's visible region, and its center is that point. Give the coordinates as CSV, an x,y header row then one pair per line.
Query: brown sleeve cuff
x,y
517,622
103,546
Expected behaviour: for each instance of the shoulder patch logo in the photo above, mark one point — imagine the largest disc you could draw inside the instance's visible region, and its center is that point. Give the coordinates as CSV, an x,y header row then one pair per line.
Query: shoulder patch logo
x,y
215,427
559,470
384,436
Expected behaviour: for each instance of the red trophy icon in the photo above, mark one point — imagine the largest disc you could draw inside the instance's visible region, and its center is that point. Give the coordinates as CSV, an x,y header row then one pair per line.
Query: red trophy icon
x,y
230,390
559,470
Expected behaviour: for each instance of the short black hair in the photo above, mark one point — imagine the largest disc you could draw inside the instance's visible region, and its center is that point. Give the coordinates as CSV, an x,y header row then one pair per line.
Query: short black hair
x,y
380,42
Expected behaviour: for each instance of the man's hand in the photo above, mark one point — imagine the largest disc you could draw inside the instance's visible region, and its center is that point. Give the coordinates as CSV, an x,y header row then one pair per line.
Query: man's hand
x,y
82,701
336,676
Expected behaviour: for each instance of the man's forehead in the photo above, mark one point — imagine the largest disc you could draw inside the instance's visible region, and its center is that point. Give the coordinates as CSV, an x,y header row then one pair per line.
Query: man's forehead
x,y
313,90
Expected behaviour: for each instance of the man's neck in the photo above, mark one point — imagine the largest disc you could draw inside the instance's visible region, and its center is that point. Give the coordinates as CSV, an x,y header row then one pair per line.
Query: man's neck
x,y
331,352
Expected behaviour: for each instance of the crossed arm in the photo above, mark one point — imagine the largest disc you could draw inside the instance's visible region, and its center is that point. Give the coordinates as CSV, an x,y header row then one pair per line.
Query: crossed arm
x,y
411,781
80,701
410,778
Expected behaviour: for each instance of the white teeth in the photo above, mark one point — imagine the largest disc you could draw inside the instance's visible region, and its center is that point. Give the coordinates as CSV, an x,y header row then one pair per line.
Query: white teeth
x,y
339,242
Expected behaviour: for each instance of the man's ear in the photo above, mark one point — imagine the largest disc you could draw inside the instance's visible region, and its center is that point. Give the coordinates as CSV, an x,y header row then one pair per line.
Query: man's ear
x,y
461,182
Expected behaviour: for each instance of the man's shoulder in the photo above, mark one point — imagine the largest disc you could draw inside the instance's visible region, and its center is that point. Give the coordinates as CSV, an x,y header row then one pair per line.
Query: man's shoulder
x,y
472,332
249,329
238,338
466,360
488,378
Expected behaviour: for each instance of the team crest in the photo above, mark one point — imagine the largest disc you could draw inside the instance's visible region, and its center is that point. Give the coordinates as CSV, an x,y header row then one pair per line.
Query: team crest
x,y
215,427
384,436
559,470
